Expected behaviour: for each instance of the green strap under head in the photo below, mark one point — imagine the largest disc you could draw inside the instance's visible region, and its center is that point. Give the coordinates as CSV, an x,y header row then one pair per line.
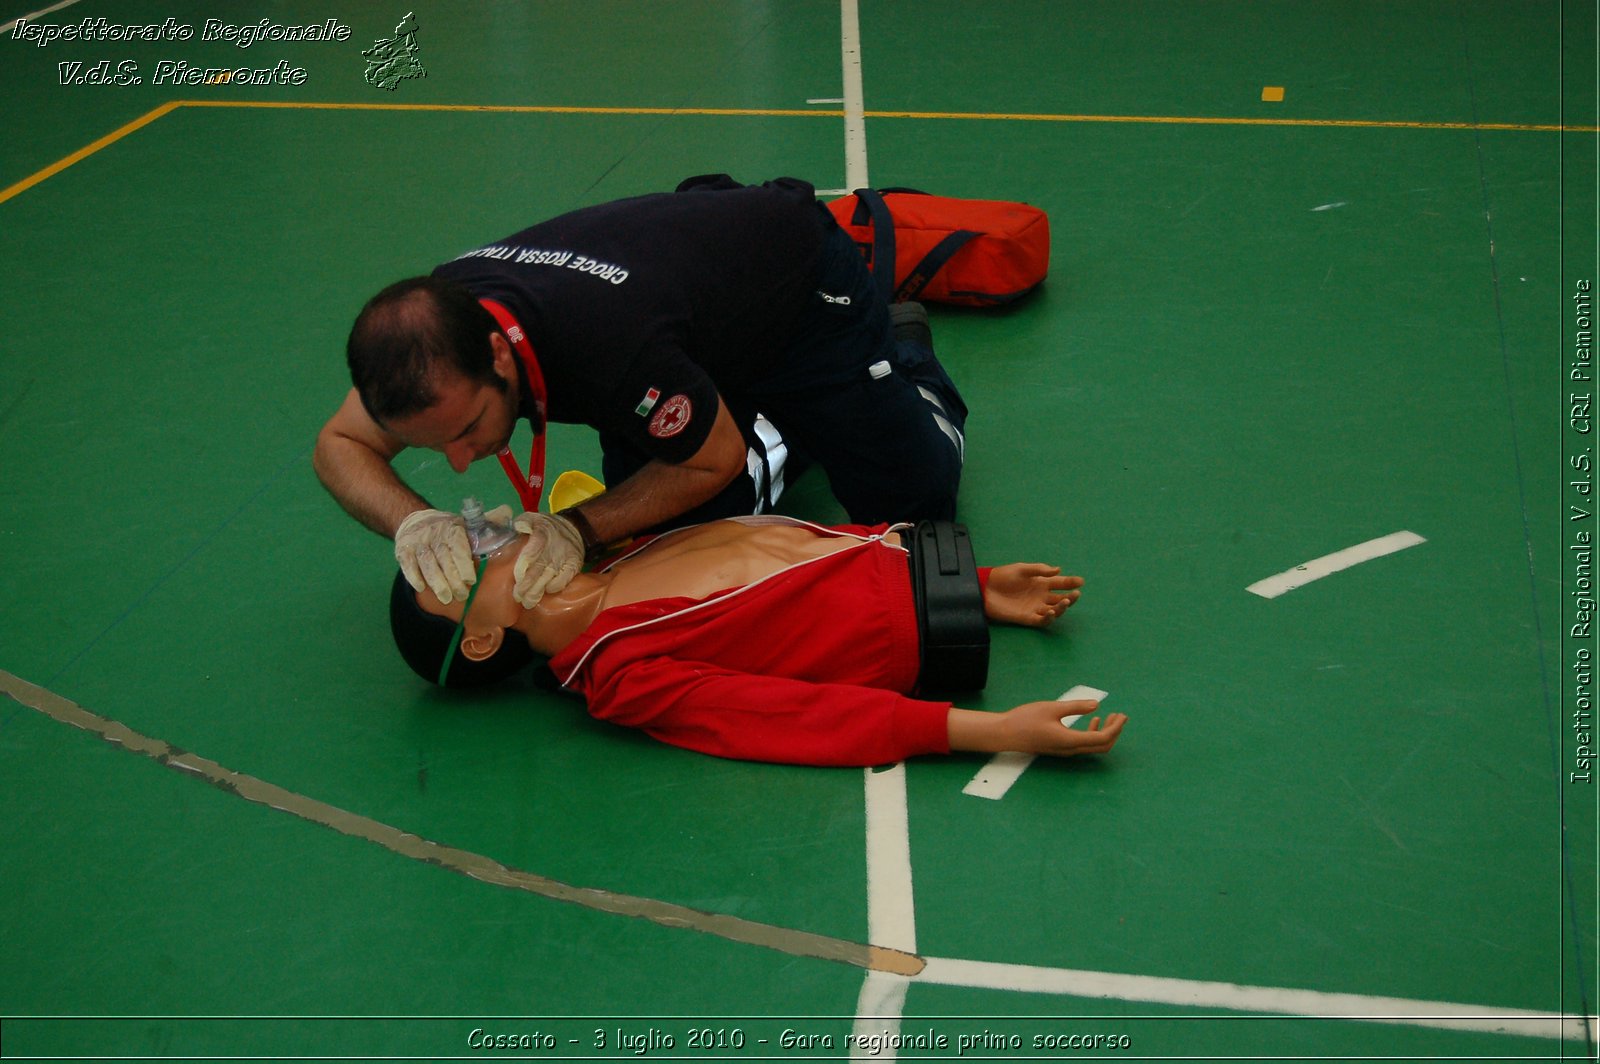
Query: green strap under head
x,y
461,625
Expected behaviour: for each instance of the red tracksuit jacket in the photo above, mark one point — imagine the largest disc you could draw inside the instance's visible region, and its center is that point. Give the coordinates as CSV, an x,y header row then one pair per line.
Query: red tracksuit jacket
x,y
806,666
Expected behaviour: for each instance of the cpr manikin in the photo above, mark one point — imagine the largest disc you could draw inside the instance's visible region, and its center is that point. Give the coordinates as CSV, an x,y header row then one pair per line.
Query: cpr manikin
x,y
766,639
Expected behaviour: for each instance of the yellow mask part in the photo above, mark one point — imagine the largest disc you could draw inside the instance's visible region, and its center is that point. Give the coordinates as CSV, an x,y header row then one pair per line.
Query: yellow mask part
x,y
571,488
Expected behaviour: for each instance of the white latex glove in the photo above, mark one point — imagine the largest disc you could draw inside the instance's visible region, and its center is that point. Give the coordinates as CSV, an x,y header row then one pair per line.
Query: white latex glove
x,y
432,549
549,560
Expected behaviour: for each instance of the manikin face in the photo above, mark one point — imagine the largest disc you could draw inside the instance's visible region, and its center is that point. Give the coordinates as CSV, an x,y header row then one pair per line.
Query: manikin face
x,y
495,615
494,610
470,420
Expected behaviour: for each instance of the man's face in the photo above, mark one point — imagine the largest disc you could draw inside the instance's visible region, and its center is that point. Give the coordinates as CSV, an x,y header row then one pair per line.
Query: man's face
x,y
471,419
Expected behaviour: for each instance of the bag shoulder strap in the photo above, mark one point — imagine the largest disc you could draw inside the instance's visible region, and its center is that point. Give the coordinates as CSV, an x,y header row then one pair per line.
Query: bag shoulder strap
x,y
882,239
932,263
870,204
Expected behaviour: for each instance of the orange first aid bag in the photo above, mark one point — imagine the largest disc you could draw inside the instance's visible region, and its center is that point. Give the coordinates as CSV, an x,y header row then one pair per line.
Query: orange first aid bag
x,y
976,253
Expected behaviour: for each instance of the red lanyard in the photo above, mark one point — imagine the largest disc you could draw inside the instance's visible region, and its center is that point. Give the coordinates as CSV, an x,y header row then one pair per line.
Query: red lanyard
x,y
529,486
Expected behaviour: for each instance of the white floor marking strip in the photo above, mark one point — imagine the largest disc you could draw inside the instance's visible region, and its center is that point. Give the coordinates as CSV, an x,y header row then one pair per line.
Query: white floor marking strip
x,y
891,907
1232,996
891,912
891,920
9,26
878,1011
855,123
995,778
1317,568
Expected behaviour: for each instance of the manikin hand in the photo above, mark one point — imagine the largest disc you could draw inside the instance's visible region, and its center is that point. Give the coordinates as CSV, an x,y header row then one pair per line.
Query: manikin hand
x,y
1030,594
1036,728
549,560
432,549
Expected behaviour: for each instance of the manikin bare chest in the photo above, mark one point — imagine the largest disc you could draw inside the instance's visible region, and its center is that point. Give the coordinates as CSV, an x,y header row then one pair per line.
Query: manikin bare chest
x,y
699,561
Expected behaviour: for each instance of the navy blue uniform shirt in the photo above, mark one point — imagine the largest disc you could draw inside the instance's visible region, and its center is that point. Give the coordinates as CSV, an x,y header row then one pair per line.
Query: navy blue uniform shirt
x,y
641,310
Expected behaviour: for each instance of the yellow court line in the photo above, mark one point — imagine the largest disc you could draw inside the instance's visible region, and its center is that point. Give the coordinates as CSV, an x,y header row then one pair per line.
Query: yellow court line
x,y
753,112
525,109
1187,120
987,116
88,150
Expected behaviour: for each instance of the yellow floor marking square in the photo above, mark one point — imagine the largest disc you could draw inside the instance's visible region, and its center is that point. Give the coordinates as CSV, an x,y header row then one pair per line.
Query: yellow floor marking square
x,y
1272,94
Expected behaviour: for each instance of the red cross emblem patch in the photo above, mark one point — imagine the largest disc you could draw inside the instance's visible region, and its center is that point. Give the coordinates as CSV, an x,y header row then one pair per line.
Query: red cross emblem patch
x,y
671,417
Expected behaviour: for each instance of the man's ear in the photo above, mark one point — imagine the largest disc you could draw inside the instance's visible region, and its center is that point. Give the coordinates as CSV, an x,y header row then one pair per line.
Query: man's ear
x,y
505,359
476,646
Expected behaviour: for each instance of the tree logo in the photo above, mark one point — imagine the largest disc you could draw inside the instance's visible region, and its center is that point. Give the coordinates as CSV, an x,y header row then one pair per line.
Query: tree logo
x,y
393,59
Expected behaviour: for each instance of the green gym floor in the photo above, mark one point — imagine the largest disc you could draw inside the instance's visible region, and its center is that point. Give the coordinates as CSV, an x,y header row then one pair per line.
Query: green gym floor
x,y
1348,822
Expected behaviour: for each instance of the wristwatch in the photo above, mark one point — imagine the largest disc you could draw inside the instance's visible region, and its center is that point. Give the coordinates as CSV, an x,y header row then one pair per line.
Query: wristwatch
x,y
593,549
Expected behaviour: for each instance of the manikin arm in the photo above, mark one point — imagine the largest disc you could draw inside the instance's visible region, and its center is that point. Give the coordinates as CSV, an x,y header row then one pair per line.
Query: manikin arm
x,y
764,718
1033,595
1034,728
721,711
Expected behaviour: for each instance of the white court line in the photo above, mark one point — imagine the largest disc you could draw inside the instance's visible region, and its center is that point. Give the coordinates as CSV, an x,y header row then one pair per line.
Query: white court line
x,y
890,919
9,26
990,975
1317,568
878,1011
855,123
995,778
891,910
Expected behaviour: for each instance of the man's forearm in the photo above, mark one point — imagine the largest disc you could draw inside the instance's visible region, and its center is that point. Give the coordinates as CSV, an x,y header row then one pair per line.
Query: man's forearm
x,y
654,494
661,491
364,483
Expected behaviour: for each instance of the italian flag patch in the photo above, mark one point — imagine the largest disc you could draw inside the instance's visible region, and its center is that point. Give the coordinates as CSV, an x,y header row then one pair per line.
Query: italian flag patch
x,y
648,402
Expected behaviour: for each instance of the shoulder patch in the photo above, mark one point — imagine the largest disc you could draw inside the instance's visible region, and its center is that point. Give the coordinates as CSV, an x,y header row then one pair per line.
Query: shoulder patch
x,y
672,417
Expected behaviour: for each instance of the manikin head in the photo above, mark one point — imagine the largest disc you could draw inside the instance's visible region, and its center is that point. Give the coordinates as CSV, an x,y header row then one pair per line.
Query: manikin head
x,y
500,636
432,367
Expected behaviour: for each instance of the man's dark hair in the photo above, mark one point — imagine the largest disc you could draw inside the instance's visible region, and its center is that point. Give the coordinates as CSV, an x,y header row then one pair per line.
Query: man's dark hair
x,y
406,333
424,638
